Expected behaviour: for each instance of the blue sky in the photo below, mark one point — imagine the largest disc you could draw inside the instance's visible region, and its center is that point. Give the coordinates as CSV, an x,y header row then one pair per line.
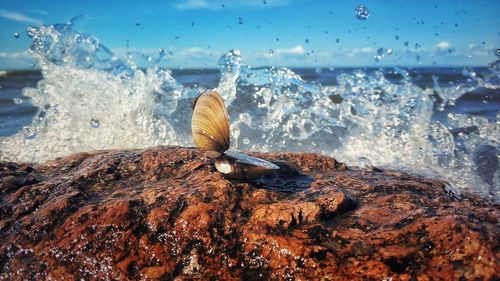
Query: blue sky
x,y
297,33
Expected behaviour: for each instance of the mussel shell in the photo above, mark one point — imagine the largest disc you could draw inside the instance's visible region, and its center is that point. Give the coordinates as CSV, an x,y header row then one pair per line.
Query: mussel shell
x,y
210,124
235,165
250,160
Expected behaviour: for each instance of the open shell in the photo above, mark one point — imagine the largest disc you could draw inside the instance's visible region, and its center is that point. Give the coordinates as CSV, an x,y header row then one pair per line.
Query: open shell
x,y
210,128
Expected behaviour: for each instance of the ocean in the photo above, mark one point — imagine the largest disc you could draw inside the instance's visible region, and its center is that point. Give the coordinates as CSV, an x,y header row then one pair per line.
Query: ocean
x,y
437,122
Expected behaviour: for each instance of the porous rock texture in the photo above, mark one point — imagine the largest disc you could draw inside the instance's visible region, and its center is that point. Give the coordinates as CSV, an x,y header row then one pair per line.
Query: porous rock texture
x,y
165,213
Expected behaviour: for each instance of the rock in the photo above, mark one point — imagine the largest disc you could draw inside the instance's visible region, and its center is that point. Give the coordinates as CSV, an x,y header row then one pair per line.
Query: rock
x,y
165,213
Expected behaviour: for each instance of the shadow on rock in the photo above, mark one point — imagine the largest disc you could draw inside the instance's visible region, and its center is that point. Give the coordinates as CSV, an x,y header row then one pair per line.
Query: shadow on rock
x,y
287,180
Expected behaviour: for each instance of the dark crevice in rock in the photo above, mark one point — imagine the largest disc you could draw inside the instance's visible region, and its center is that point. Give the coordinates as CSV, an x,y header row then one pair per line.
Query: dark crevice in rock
x,y
176,210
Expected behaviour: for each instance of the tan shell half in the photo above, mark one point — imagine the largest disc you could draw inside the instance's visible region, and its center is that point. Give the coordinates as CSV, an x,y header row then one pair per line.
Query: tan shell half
x,y
210,124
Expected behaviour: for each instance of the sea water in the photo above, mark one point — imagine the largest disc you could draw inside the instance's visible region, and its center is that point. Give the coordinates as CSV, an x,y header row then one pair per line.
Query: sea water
x,y
438,122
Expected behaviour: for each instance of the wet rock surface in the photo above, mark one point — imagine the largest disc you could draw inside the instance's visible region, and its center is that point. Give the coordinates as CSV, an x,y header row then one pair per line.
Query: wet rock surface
x,y
165,213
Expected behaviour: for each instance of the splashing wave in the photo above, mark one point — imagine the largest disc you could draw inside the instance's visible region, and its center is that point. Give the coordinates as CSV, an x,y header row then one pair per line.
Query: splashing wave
x,y
89,99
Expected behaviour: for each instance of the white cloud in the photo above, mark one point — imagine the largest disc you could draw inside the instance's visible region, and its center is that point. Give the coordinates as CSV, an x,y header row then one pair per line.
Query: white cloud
x,y
14,55
364,50
296,51
193,5
195,51
15,60
15,16
220,4
480,51
444,45
41,12
187,53
286,53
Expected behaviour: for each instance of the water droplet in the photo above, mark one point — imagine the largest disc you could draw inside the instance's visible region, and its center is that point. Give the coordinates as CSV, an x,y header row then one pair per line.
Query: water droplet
x,y
31,31
170,54
161,53
318,70
95,123
264,2
240,20
18,101
307,41
338,40
497,52
271,52
203,65
137,24
361,12
246,141
16,35
396,37
406,44
148,58
29,132
277,39
389,51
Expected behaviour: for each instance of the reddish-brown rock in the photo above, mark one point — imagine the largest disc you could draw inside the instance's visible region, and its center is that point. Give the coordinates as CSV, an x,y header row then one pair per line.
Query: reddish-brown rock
x,y
165,213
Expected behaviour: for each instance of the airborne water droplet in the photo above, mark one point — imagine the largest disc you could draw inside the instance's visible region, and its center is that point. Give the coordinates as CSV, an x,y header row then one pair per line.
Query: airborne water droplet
x,y
95,123
29,132
16,35
246,141
271,52
361,12
497,52
31,31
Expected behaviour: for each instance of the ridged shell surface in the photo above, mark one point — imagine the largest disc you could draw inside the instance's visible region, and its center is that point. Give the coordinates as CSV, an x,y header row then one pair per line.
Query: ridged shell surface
x,y
210,124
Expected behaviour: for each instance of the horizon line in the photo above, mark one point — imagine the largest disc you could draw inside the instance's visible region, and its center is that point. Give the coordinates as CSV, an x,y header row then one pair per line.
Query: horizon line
x,y
12,70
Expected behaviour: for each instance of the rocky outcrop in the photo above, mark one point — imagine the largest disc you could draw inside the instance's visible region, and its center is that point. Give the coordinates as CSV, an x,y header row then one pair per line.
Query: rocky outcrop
x,y
165,213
